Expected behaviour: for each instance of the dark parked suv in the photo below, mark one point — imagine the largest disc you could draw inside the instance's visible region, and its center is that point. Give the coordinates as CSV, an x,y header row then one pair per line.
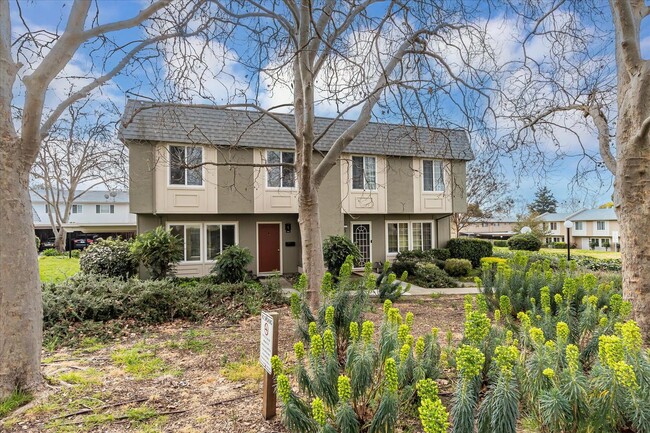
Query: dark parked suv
x,y
81,242
48,243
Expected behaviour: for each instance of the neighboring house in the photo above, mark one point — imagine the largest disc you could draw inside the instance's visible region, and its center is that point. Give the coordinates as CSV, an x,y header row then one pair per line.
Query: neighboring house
x,y
553,225
104,213
597,225
491,228
395,187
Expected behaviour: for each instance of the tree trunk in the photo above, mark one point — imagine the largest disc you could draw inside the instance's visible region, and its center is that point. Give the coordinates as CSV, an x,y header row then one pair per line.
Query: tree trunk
x,y
312,244
59,240
21,313
633,208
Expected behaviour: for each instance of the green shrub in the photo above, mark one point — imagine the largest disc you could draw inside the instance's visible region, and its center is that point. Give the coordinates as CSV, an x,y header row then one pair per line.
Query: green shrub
x,y
593,243
231,265
81,305
527,242
501,243
424,255
470,249
388,287
38,242
430,276
559,245
367,389
159,251
109,257
336,249
51,252
458,267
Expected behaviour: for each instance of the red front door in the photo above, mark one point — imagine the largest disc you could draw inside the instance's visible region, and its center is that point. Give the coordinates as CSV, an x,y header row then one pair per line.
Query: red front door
x,y
268,247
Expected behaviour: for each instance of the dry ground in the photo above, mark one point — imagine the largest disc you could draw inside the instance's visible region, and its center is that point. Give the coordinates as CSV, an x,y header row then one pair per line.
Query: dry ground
x,y
179,377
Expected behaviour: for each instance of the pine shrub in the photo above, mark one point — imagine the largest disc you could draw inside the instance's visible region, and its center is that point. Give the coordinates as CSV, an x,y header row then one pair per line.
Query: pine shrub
x,y
471,249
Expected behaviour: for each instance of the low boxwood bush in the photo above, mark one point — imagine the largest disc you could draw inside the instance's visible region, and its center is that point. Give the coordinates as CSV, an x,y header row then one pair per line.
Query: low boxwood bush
x,y
231,265
458,267
527,242
109,257
86,304
430,276
470,249
336,250
559,245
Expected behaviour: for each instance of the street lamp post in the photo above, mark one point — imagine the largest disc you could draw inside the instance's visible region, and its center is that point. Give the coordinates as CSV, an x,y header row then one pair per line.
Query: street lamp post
x,y
568,225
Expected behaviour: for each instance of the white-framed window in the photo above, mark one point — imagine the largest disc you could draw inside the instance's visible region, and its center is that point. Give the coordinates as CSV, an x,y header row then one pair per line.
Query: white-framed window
x,y
578,225
104,208
191,236
409,235
218,237
280,177
553,226
604,242
203,242
433,178
364,173
600,225
77,208
181,157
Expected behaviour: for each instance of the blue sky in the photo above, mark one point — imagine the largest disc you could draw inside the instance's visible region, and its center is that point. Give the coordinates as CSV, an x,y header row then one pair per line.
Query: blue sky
x,y
51,15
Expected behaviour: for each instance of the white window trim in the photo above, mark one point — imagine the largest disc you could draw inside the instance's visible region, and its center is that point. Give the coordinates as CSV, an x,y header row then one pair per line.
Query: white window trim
x,y
78,207
265,158
169,166
604,229
352,188
410,234
444,176
109,209
204,238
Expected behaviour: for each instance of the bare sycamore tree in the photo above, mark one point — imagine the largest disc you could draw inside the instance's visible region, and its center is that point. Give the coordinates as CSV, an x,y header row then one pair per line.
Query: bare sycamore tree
x,y
346,59
596,78
487,195
32,62
79,154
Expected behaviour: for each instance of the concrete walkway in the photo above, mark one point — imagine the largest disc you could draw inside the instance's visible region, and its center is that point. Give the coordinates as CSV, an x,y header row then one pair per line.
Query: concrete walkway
x,y
414,291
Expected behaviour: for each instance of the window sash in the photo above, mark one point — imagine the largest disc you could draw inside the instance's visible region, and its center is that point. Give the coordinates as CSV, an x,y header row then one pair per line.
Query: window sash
x,y
600,225
104,208
218,237
415,235
578,225
280,176
77,208
364,173
433,178
179,158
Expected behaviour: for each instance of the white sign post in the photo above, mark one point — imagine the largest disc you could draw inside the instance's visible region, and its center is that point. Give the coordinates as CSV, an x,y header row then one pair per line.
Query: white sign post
x,y
268,348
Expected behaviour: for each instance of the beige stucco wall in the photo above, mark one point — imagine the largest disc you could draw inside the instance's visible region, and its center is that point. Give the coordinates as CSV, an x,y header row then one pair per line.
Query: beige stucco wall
x,y
141,177
400,191
183,199
459,186
430,202
329,201
361,201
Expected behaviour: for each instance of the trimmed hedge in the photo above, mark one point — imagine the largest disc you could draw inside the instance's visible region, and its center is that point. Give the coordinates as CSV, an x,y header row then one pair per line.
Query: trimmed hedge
x,y
526,242
458,267
470,249
559,245
425,255
501,243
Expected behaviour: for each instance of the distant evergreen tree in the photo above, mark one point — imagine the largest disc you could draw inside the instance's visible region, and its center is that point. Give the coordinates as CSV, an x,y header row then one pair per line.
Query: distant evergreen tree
x,y
544,202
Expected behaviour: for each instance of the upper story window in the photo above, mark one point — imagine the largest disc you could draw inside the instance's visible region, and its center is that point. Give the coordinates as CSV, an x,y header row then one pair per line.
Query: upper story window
x,y
364,173
182,157
77,208
600,225
105,208
578,225
553,226
281,176
433,176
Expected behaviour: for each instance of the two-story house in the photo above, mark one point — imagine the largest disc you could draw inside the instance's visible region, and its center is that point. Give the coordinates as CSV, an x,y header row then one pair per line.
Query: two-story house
x,y
104,213
597,226
200,172
498,227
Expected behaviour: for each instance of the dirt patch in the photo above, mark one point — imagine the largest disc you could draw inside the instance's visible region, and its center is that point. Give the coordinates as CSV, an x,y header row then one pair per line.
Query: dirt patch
x,y
172,378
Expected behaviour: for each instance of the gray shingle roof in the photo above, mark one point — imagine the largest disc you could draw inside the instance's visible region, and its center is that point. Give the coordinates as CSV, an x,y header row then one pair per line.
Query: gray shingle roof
x,y
608,214
205,125
554,217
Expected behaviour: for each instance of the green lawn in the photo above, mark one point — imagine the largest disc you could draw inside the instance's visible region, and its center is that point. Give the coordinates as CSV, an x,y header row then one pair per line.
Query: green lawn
x,y
595,254
59,268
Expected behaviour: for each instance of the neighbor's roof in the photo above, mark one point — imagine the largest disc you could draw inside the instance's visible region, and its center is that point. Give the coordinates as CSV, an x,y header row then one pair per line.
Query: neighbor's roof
x,y
92,197
204,125
554,217
608,214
